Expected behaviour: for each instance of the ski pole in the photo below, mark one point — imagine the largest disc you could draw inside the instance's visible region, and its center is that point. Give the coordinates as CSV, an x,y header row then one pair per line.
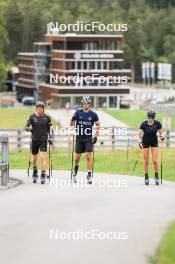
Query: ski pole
x,y
29,162
138,156
93,163
51,140
127,153
51,158
49,163
73,143
161,161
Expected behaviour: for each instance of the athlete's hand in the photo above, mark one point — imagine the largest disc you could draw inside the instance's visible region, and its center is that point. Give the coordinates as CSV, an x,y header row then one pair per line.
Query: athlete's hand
x,y
28,129
94,140
50,141
162,138
140,145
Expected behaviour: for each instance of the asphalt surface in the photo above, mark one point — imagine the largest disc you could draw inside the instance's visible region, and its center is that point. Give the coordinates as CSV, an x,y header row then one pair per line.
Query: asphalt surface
x,y
49,223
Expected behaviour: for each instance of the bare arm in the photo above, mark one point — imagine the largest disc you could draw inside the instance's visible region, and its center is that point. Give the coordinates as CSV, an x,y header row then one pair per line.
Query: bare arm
x,y
139,135
73,119
72,122
97,128
161,132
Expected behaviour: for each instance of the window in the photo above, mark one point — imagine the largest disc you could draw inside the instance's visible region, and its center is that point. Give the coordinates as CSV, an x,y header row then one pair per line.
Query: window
x,y
92,65
104,65
72,65
79,65
84,65
99,65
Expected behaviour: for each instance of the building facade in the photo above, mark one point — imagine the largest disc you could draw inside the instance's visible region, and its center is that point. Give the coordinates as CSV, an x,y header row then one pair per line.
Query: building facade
x,y
64,67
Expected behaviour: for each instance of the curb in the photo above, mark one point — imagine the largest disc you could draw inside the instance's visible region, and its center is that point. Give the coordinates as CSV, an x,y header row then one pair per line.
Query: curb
x,y
13,182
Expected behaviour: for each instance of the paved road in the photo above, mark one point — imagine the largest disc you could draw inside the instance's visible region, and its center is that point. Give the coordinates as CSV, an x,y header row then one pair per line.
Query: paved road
x,y
64,118
29,212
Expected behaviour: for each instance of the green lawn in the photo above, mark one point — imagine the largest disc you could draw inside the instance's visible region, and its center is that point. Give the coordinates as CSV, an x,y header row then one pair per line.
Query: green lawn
x,y
107,161
133,118
166,251
15,117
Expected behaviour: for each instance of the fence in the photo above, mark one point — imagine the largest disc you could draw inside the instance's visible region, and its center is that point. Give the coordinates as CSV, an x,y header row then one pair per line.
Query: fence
x,y
113,138
4,165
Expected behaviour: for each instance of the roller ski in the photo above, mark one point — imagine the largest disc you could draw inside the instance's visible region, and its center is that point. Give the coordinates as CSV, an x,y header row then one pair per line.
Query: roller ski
x,y
146,181
74,174
43,177
35,175
156,179
89,178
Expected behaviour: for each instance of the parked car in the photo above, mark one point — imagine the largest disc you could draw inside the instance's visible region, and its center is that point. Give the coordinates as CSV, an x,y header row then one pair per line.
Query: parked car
x,y
28,100
20,97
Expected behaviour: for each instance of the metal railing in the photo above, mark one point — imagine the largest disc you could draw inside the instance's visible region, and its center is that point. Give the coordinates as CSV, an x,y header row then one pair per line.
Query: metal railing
x,y
4,164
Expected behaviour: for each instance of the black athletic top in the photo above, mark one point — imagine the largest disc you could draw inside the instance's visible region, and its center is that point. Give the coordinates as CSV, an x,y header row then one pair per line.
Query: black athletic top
x,y
40,126
85,122
150,131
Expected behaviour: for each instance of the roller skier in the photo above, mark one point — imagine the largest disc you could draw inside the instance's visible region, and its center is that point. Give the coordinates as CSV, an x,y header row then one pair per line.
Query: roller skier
x,y
84,120
148,140
39,124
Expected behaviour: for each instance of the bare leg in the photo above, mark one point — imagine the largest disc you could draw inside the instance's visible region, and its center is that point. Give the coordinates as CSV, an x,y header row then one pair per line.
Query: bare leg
x,y
146,158
75,170
43,160
77,158
89,160
34,160
154,152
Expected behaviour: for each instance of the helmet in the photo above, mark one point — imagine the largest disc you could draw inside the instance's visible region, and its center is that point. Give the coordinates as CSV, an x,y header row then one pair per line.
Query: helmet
x,y
151,114
86,99
40,104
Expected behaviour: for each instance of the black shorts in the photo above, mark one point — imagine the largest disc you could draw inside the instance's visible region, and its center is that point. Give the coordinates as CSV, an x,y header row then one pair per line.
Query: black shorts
x,y
38,145
152,144
83,145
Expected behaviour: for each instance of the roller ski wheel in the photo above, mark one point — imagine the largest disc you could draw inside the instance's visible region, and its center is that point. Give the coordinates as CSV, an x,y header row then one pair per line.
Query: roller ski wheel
x,y
35,179
35,176
89,178
146,181
156,180
74,175
43,178
75,171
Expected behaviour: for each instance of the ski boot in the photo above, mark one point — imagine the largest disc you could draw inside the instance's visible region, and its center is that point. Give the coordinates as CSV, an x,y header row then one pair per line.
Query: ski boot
x,y
146,179
156,179
43,177
75,173
35,175
89,177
